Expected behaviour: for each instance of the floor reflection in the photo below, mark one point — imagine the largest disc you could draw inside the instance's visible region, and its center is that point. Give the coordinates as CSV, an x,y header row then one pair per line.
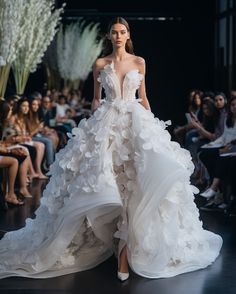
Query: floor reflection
x,y
218,278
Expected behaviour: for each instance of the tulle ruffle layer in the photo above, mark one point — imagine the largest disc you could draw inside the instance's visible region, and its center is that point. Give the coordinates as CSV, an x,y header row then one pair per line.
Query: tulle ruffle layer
x,y
119,177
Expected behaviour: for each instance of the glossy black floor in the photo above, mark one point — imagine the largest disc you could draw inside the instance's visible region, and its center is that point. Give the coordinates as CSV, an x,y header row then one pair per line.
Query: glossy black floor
x,y
219,278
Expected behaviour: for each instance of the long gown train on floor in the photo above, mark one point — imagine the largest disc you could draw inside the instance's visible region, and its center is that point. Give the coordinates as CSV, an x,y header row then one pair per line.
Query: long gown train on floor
x,y
119,181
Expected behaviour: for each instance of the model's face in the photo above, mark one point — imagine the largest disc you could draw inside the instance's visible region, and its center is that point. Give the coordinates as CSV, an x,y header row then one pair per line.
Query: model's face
x,y
219,101
24,108
118,35
35,105
233,107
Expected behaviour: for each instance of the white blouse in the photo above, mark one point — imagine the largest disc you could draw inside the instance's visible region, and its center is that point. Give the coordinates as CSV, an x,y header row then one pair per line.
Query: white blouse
x,y
228,135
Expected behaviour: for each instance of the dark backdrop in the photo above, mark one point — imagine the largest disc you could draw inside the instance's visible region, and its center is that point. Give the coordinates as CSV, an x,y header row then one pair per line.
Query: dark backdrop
x,y
179,51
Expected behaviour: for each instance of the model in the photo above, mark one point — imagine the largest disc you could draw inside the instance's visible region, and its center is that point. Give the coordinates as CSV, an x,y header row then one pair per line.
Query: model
x,y
119,186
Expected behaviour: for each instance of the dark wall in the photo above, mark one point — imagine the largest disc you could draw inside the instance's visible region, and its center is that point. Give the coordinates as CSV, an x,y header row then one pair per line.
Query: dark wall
x,y
179,53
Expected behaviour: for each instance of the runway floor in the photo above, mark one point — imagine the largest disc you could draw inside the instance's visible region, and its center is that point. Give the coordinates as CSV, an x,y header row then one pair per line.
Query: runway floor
x,y
219,278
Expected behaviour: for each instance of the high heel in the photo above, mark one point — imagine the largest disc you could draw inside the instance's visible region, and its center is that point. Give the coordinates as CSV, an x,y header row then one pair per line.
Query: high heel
x,y
122,276
123,265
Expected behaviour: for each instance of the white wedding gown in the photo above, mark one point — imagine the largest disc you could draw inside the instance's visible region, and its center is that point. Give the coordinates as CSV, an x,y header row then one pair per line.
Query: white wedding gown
x,y
120,180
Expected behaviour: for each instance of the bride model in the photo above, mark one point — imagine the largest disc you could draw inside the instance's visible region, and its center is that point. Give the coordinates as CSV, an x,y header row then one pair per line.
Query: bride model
x,y
119,186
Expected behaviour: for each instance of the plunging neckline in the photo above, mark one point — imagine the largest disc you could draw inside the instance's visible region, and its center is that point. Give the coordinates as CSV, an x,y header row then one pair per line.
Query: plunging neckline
x,y
120,83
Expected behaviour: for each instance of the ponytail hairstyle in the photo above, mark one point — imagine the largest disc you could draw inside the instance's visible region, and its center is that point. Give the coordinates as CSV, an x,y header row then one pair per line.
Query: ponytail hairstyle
x,y
107,43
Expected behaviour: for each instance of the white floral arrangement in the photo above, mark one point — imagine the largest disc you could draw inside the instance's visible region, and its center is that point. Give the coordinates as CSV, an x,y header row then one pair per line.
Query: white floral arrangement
x,y
78,46
51,66
11,27
40,24
66,42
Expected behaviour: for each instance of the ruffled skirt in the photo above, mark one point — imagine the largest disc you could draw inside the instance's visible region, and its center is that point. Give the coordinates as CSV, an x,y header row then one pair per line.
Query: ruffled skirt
x,y
119,181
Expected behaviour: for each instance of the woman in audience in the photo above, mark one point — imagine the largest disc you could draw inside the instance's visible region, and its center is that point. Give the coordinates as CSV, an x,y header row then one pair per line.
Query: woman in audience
x,y
220,104
15,150
224,144
18,130
220,101
194,107
204,133
224,180
11,164
9,136
41,134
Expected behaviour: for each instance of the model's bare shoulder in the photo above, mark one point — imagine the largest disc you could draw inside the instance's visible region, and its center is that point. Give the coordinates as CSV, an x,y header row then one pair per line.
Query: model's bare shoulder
x,y
100,63
140,60
140,63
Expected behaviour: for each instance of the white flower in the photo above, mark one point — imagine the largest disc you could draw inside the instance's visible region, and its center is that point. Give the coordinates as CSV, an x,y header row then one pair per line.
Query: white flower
x,y
38,26
41,22
77,49
11,17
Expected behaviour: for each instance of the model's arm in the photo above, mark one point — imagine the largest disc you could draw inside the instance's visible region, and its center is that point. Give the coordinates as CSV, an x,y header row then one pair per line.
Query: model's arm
x,y
142,88
97,86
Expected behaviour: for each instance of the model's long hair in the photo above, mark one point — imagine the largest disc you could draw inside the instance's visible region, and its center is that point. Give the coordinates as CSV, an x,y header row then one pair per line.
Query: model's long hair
x,y
107,43
230,120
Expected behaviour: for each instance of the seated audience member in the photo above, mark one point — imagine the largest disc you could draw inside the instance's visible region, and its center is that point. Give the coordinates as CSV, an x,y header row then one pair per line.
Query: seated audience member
x,y
49,119
224,181
224,144
64,113
11,164
220,101
18,130
40,134
204,133
194,107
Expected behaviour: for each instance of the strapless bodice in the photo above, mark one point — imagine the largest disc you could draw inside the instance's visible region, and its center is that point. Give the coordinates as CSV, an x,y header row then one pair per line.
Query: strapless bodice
x,y
111,83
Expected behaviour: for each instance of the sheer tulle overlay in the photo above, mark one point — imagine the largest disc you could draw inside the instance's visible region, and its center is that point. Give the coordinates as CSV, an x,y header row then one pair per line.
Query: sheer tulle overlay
x,y
119,181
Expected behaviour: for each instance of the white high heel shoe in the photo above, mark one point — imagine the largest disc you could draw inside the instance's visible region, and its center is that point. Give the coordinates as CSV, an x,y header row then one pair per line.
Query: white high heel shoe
x,y
122,276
